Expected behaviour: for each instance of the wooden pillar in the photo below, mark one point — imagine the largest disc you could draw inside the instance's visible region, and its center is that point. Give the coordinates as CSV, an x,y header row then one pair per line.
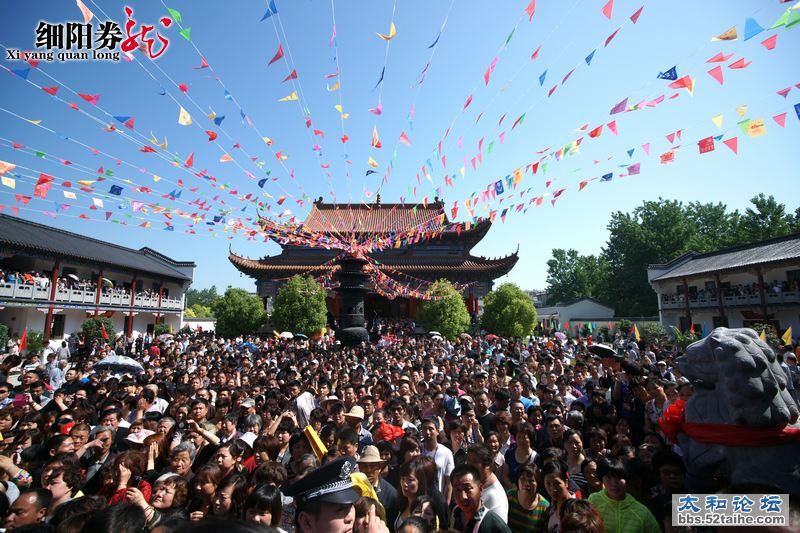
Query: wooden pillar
x,y
129,329
686,301
99,289
719,299
412,308
48,322
762,297
160,296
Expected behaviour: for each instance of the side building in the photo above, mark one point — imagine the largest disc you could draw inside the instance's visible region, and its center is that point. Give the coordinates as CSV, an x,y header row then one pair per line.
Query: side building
x,y
736,287
52,280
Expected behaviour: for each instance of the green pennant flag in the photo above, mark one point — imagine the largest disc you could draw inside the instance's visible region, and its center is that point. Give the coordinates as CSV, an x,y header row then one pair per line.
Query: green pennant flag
x,y
794,18
491,147
40,154
186,32
782,20
510,35
544,168
744,126
176,16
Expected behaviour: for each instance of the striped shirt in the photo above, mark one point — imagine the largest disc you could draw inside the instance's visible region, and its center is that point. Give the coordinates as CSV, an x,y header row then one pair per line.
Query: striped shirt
x,y
527,520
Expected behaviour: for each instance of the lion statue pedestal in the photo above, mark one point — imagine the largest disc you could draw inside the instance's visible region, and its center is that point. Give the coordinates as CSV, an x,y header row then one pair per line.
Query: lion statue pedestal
x,y
741,419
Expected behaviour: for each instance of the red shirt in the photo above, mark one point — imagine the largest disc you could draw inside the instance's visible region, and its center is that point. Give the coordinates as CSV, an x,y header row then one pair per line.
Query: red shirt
x,y
118,496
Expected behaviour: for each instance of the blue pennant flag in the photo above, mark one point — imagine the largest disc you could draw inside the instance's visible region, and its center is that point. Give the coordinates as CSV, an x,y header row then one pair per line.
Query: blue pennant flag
x,y
169,228
542,77
218,120
436,41
671,74
630,152
261,182
590,57
797,110
498,187
371,172
116,190
607,177
21,72
121,118
228,95
273,10
751,28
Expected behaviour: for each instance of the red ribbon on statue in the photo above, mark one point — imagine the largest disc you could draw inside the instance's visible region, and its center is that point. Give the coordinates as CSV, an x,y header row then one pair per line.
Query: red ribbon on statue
x,y
673,421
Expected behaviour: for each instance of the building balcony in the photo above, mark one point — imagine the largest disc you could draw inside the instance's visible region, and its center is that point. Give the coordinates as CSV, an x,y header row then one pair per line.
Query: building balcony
x,y
88,297
676,302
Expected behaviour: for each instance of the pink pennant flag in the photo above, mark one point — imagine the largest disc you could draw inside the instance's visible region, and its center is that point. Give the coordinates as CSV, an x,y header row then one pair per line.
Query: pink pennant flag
x,y
611,37
719,58
377,110
780,120
671,138
567,76
784,92
469,101
530,10
716,73
292,76
535,53
646,148
404,139
92,99
740,64
620,107
277,56
333,36
50,90
608,8
551,91
635,16
203,64
612,127
770,42
733,144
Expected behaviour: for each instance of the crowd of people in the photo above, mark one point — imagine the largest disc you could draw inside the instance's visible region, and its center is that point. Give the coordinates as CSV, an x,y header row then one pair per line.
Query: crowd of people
x,y
411,434
733,291
70,282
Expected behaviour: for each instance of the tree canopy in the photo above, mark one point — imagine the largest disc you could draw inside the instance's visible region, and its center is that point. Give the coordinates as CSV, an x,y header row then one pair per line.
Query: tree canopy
x,y
509,312
238,313
204,297
447,314
657,232
93,329
300,306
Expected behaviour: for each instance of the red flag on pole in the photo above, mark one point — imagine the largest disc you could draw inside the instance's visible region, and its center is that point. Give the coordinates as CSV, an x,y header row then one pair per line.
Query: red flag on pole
x,y
23,341
103,331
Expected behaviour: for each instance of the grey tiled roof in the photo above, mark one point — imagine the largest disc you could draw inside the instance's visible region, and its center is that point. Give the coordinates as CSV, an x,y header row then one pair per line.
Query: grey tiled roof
x,y
760,253
16,233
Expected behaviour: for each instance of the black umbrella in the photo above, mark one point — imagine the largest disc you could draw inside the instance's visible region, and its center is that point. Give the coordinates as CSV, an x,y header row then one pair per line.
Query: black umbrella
x,y
603,350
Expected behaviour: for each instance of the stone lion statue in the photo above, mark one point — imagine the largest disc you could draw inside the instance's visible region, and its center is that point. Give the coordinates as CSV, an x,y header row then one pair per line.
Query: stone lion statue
x,y
741,420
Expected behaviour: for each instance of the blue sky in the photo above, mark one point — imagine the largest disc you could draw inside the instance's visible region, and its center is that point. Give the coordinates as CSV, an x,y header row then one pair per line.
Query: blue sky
x,y
238,46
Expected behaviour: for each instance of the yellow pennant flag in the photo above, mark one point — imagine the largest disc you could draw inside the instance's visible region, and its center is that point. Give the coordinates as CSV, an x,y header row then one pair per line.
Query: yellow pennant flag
x,y
756,128
156,178
9,182
762,336
289,98
36,122
267,140
717,121
728,35
335,86
742,109
371,162
636,333
392,33
212,115
787,337
184,119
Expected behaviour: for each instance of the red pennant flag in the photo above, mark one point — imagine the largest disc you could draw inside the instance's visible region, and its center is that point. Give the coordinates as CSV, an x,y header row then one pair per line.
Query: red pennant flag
x,y
189,161
551,91
719,58
608,8
278,55
733,144
183,87
203,64
784,92
770,42
292,76
23,341
535,53
531,9
716,73
212,135
740,64
146,149
92,99
345,138
469,101
706,145
635,16
611,37
103,331
50,90
596,132
780,120
73,105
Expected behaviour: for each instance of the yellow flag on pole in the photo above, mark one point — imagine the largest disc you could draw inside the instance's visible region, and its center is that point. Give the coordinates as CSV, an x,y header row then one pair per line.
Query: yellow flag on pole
x,y
289,98
787,337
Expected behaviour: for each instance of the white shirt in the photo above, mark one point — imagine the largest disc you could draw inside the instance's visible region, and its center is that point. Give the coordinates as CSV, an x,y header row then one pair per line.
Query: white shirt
x,y
494,498
443,458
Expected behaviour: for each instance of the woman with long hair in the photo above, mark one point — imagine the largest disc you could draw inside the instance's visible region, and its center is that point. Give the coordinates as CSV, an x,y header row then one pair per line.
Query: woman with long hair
x,y
204,486
413,483
230,498
264,506
126,472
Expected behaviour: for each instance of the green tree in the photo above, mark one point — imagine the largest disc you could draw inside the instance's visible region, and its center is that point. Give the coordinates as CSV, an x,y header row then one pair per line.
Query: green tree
x,y
684,339
770,334
93,329
199,311
238,313
161,329
300,306
35,342
571,275
446,312
653,333
765,220
508,312
204,297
